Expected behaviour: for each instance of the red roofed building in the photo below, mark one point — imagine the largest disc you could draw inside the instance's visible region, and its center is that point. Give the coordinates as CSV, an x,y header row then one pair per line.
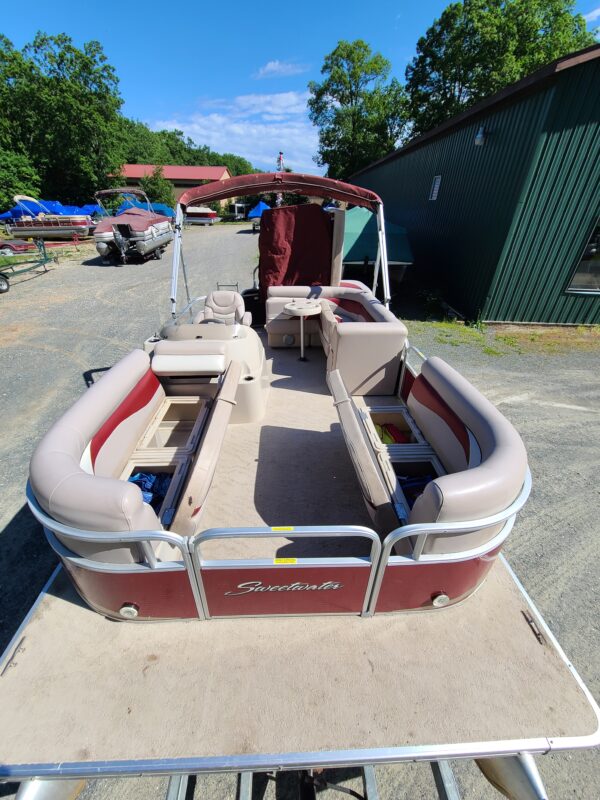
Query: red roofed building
x,y
181,177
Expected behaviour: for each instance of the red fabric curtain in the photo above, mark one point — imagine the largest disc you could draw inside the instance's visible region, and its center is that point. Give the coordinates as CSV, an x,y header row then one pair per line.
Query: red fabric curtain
x,y
295,247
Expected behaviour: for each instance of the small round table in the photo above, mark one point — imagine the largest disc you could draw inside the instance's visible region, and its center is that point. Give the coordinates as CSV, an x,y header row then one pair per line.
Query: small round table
x,y
302,308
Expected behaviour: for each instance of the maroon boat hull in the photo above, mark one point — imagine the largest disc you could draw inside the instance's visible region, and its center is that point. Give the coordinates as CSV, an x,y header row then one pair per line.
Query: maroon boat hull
x,y
156,594
285,590
413,585
278,590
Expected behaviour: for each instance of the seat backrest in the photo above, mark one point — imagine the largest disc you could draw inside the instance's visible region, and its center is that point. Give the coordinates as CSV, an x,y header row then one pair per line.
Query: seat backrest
x,y
203,467
224,305
482,452
376,493
352,299
189,357
74,469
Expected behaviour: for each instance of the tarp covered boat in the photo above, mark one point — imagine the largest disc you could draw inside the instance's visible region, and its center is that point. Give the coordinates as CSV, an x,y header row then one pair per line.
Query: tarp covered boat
x,y
133,232
38,219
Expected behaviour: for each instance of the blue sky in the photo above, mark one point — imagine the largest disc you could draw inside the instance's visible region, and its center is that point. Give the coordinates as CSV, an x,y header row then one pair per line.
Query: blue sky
x,y
233,75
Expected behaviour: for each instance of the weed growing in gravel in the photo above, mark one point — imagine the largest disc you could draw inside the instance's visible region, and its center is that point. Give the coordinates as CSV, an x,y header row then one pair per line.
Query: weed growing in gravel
x,y
509,341
455,334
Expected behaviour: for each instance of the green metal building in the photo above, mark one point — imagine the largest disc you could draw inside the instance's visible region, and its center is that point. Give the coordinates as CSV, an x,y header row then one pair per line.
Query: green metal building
x,y
501,203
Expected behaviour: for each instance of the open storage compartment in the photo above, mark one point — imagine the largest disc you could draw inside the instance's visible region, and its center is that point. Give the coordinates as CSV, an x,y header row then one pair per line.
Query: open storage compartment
x,y
413,477
391,422
178,424
164,474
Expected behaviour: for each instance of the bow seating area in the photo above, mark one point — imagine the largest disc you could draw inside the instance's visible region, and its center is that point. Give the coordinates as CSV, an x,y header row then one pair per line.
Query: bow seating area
x,y
125,424
471,462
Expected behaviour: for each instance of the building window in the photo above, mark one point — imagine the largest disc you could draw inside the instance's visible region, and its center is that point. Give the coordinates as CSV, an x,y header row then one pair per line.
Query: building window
x,y
435,187
586,279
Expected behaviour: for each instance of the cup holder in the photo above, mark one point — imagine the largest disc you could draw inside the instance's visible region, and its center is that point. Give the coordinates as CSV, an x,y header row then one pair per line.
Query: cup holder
x,y
249,378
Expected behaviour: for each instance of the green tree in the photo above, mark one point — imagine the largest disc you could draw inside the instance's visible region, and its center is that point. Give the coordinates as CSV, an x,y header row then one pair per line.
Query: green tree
x,y
140,145
477,47
60,111
60,107
17,176
158,188
360,116
237,165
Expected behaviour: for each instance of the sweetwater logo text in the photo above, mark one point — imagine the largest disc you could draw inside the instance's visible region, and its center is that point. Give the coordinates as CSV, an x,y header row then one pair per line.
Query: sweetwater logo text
x,y
259,586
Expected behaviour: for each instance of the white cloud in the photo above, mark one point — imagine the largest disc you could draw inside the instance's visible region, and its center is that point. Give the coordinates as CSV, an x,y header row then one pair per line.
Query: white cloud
x,y
279,103
280,69
592,15
256,126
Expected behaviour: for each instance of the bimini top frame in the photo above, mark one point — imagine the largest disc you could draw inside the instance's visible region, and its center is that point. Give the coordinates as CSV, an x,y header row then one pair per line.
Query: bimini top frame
x,y
260,183
104,193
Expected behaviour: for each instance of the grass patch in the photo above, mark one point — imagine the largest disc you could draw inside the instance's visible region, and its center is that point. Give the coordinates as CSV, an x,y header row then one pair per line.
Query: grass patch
x,y
549,339
456,334
9,261
508,341
496,341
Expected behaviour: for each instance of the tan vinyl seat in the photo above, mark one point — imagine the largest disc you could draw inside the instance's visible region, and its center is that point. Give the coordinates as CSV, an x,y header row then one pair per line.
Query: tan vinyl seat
x,y
189,357
360,336
483,454
73,469
225,306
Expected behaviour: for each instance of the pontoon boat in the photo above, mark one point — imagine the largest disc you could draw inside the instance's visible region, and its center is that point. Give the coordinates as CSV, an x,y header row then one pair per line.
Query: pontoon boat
x,y
441,473
136,232
200,215
214,474
46,225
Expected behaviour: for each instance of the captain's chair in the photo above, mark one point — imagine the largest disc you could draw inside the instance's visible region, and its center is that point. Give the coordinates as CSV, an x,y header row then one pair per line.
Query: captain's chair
x,y
224,306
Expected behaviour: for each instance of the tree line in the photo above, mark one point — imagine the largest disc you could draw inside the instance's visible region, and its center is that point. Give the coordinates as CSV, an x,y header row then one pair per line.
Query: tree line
x,y
473,50
62,134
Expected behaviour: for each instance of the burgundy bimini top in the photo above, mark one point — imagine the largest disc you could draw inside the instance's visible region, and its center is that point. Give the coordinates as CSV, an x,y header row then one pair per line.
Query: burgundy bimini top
x,y
260,183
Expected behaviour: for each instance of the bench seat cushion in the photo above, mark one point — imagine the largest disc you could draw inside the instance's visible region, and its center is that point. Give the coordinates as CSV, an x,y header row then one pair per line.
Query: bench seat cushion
x,y
74,469
484,454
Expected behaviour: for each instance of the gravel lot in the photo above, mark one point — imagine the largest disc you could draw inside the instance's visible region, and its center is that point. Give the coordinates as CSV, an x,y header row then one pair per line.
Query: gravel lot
x,y
60,327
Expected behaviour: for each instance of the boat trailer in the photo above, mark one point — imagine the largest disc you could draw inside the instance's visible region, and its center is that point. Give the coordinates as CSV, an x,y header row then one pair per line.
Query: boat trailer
x,y
19,266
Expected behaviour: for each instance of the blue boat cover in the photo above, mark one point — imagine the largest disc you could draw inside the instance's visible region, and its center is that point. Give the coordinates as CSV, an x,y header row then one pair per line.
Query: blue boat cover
x,y
158,208
53,206
258,210
91,209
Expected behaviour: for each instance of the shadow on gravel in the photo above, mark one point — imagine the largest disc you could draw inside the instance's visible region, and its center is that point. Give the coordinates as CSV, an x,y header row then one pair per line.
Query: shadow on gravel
x,y
98,261
288,785
26,562
245,230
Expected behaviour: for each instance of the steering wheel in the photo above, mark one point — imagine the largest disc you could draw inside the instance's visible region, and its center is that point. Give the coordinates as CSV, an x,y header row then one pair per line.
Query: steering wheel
x,y
212,321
